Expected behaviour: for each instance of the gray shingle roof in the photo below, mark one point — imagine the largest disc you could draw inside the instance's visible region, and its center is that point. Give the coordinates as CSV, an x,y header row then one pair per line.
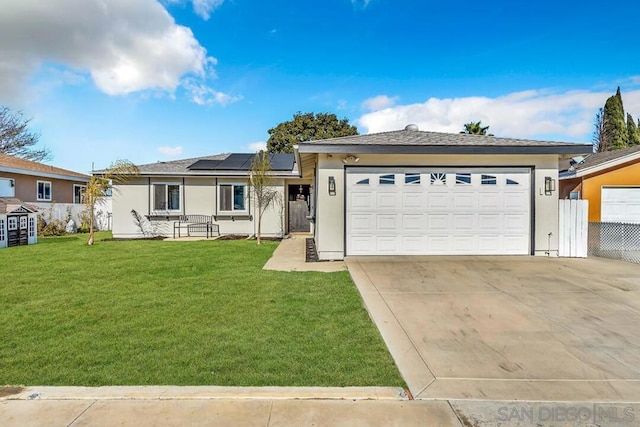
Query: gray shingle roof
x,y
174,167
596,159
409,138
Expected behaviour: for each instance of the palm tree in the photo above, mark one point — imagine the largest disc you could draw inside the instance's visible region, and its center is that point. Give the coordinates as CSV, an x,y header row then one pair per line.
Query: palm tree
x,y
475,128
99,183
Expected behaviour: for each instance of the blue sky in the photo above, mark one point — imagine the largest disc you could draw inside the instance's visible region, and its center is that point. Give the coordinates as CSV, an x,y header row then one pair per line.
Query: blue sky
x,y
150,80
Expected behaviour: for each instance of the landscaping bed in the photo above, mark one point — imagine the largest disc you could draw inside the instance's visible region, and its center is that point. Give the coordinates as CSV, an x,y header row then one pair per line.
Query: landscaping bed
x,y
180,313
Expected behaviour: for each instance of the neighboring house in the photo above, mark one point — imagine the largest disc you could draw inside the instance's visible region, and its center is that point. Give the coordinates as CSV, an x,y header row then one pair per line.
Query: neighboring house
x,y
216,186
53,191
34,182
610,181
410,192
18,223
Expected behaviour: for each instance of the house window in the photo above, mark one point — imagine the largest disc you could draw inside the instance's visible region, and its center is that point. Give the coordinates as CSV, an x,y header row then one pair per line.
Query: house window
x,y
233,197
12,223
166,197
2,235
363,182
43,189
78,193
32,227
412,178
512,182
574,195
463,178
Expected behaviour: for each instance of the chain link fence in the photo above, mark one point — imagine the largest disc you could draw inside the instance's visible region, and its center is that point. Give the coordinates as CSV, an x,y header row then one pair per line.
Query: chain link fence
x,y
615,240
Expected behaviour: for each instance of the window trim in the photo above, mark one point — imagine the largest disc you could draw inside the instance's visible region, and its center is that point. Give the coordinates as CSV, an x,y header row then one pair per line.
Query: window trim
x,y
166,195
74,193
246,197
43,199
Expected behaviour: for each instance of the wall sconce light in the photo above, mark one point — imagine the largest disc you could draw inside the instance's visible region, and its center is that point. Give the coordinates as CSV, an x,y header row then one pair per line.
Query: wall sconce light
x,y
332,186
549,185
351,159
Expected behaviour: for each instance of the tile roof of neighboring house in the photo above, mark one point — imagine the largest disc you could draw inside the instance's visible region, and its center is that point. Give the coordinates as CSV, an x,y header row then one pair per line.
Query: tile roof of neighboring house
x,y
436,142
598,159
29,167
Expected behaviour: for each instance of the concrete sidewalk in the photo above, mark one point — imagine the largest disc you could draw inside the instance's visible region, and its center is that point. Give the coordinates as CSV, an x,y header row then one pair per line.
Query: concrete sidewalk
x,y
291,253
269,406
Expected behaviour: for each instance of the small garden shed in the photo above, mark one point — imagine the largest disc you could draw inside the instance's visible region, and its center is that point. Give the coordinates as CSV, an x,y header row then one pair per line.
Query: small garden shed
x,y
18,223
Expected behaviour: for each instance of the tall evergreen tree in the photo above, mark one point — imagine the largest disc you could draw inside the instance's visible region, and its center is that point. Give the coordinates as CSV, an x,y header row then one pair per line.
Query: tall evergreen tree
x,y
615,128
633,136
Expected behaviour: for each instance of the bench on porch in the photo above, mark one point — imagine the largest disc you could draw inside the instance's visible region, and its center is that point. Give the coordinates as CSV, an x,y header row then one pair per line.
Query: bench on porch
x,y
202,223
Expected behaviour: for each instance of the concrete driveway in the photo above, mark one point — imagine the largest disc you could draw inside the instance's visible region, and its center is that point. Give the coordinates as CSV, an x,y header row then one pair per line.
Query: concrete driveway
x,y
508,328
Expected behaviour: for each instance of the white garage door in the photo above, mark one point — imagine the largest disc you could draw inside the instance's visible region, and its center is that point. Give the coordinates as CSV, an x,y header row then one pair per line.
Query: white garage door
x,y
620,204
438,211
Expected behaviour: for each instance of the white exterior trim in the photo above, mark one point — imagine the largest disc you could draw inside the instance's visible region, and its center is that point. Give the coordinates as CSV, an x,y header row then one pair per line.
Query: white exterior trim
x,y
43,174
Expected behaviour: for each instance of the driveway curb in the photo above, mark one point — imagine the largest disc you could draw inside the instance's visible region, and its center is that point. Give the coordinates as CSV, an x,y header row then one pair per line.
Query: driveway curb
x,y
206,393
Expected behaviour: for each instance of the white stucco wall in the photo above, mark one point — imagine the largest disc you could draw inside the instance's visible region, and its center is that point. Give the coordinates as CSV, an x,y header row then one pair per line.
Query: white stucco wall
x,y
329,231
198,196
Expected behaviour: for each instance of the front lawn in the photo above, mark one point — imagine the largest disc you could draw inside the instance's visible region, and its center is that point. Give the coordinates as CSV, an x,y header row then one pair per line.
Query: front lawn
x,y
179,313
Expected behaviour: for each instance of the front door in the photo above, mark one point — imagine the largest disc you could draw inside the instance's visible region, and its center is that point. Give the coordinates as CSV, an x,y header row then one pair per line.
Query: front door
x,y
298,204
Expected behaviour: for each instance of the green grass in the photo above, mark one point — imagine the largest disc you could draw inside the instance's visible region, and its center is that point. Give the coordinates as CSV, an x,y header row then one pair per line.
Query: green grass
x,y
179,313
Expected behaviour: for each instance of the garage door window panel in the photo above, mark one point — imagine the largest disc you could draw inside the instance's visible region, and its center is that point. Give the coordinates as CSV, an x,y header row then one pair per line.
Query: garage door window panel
x,y
438,178
463,179
412,178
389,179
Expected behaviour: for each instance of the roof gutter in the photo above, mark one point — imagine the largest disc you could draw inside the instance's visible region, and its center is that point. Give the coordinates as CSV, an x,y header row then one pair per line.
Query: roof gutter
x,y
442,149
602,166
44,174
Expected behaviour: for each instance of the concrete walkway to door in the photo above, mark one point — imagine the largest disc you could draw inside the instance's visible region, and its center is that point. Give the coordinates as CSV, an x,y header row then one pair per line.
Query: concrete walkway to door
x,y
508,328
290,256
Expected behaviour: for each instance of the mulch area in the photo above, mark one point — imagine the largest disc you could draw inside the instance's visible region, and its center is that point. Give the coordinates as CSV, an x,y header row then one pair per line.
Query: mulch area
x,y
311,254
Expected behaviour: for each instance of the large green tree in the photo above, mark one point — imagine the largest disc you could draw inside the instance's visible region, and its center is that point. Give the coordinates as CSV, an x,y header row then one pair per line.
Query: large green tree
x,y
633,134
307,127
16,139
475,128
615,129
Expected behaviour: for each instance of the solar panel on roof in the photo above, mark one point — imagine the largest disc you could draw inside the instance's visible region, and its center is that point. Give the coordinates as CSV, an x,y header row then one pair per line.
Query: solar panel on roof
x,y
236,161
204,165
243,161
282,162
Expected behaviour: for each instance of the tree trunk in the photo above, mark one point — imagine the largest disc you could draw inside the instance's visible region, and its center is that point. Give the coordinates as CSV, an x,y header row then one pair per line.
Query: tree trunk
x,y
259,226
90,242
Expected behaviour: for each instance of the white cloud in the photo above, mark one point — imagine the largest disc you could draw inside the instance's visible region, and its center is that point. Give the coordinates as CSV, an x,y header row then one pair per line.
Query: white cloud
x,y
126,46
379,102
257,146
202,8
361,3
201,94
170,152
533,113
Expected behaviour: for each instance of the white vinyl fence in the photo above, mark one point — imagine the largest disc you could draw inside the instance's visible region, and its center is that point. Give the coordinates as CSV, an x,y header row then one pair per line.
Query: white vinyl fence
x,y
62,211
574,228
